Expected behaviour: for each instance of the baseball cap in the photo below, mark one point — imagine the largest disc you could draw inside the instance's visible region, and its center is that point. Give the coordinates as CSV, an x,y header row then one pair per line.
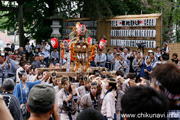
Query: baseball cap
x,y
42,94
150,51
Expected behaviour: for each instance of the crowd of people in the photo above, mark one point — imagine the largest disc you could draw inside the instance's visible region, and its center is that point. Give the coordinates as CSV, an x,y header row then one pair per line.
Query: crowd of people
x,y
144,85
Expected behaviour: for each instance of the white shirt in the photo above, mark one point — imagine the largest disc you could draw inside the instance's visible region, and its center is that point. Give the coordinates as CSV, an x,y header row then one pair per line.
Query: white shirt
x,y
110,57
46,52
28,48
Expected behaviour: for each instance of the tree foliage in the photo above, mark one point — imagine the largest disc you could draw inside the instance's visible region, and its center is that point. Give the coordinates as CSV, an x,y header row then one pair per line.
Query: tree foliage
x,y
37,23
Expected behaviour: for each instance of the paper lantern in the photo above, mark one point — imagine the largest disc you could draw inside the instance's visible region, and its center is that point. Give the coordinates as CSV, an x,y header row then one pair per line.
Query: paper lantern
x,y
89,40
54,42
102,44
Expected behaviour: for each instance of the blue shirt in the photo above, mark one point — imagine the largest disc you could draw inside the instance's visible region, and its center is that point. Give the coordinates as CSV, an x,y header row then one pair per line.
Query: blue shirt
x,y
144,74
24,96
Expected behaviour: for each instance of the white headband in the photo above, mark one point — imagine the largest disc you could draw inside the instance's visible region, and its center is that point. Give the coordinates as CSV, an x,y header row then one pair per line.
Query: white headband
x,y
168,94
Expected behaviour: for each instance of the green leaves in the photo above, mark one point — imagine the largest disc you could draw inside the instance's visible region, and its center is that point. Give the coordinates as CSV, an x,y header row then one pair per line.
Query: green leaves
x,y
37,23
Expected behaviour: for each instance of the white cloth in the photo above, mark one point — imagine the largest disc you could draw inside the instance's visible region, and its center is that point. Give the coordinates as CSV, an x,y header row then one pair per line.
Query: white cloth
x,y
108,105
17,76
28,48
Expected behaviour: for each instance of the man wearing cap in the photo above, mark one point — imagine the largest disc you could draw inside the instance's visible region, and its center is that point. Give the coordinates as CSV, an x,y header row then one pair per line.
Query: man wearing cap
x,y
100,59
41,102
148,55
4,67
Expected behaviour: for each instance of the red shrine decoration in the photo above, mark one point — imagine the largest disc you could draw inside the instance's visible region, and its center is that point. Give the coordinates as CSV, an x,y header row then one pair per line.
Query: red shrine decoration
x,y
54,42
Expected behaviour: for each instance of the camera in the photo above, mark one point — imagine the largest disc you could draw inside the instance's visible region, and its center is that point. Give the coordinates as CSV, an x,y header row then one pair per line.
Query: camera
x,y
53,74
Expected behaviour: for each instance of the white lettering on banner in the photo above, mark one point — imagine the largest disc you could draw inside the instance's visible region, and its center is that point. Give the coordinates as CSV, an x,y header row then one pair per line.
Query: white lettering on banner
x,y
133,43
133,33
142,22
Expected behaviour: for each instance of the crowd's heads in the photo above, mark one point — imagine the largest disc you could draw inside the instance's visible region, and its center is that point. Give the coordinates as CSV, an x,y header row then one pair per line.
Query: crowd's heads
x,y
99,51
125,50
166,78
152,55
41,99
65,82
109,51
97,73
36,58
41,56
165,44
141,100
55,49
87,82
51,65
58,78
149,51
158,49
111,84
164,57
22,75
138,55
131,76
119,73
175,56
94,86
8,85
90,114
114,50
21,49
148,60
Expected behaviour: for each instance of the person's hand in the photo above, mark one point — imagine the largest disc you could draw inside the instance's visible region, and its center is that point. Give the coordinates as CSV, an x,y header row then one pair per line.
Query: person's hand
x,y
73,87
45,74
69,98
29,66
137,65
36,72
6,61
118,77
145,70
